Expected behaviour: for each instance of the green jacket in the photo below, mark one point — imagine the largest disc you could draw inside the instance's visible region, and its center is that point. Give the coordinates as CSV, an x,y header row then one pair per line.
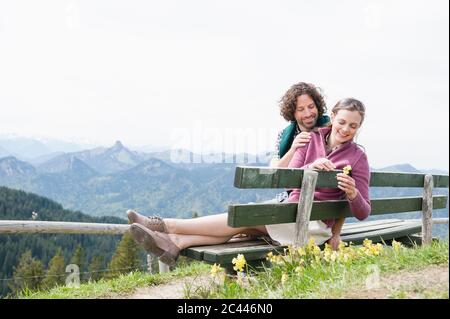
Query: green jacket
x,y
288,134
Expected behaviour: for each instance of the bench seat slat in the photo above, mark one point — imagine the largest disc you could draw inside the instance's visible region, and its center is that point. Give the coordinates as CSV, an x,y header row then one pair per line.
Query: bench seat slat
x,y
266,177
197,252
251,253
359,224
241,215
384,234
364,229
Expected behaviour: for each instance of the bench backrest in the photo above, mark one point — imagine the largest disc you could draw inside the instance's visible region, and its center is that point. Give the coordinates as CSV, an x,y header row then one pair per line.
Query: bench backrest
x,y
240,215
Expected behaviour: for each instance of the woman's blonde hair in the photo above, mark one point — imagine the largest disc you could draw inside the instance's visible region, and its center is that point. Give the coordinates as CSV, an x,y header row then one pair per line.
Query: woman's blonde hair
x,y
350,104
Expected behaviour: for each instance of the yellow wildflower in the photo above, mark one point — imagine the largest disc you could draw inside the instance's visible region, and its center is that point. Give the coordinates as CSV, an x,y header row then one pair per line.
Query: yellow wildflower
x,y
342,246
326,255
370,249
352,252
284,278
215,269
239,262
316,250
344,257
347,170
269,256
366,251
276,259
333,256
396,245
291,250
298,269
378,248
367,243
311,243
301,251
330,256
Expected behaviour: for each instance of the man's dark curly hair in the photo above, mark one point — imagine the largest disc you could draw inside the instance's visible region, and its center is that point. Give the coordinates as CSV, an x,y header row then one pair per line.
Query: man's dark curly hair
x,y
289,100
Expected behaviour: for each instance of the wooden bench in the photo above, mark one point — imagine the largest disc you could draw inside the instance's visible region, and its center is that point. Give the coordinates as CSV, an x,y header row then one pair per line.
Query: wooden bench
x,y
256,250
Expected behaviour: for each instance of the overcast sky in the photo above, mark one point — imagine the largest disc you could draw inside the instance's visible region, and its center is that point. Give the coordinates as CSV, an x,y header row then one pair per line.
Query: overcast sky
x,y
198,73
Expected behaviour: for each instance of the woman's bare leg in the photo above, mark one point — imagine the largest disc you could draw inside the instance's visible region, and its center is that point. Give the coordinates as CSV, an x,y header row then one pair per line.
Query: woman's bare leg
x,y
184,241
213,225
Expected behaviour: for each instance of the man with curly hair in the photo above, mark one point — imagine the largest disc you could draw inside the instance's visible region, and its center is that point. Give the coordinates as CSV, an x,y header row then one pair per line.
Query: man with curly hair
x,y
304,107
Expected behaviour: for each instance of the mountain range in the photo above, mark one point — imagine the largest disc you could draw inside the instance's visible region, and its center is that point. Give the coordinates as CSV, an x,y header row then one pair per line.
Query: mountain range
x,y
107,181
31,148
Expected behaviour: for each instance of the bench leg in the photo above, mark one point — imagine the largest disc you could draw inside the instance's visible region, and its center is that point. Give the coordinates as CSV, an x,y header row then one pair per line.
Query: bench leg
x,y
229,270
305,203
427,209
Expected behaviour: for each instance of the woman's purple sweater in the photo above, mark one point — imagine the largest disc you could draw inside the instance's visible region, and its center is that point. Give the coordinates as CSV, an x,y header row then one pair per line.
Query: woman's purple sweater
x,y
347,154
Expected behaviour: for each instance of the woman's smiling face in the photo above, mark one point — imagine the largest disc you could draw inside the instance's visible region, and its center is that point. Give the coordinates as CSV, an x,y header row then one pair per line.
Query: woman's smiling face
x,y
345,125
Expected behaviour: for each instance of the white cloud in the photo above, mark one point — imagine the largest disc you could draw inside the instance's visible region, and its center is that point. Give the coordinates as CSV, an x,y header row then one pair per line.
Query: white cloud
x,y
135,71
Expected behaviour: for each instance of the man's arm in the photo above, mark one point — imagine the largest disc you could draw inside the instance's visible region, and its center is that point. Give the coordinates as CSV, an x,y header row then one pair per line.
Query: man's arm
x,y
300,141
283,162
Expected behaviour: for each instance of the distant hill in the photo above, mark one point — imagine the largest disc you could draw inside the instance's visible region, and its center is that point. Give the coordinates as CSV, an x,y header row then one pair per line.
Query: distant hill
x,y
67,163
44,158
434,171
29,148
408,168
24,147
405,168
103,160
4,152
153,186
14,169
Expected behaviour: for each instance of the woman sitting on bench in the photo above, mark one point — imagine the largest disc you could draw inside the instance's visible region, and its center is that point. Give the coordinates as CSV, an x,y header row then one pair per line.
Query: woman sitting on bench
x,y
330,148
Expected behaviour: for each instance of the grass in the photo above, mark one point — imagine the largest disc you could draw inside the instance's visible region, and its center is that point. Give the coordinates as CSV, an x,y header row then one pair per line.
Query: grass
x,y
117,287
317,276
325,279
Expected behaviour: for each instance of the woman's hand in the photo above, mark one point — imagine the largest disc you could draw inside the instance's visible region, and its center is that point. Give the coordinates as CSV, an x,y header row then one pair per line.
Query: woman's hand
x,y
322,164
347,184
334,241
301,140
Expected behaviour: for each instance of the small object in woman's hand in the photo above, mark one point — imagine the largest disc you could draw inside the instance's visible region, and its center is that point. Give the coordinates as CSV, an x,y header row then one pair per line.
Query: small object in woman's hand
x,y
347,170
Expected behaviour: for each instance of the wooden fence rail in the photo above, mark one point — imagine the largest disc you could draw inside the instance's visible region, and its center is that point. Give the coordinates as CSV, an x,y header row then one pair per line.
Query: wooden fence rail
x,y
12,227
48,227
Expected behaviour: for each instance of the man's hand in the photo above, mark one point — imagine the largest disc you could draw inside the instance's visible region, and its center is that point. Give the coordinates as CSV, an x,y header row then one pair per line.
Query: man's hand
x,y
301,140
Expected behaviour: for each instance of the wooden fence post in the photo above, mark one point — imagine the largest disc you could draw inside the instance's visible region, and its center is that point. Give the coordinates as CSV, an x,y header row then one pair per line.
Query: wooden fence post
x,y
304,207
152,263
427,209
163,267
